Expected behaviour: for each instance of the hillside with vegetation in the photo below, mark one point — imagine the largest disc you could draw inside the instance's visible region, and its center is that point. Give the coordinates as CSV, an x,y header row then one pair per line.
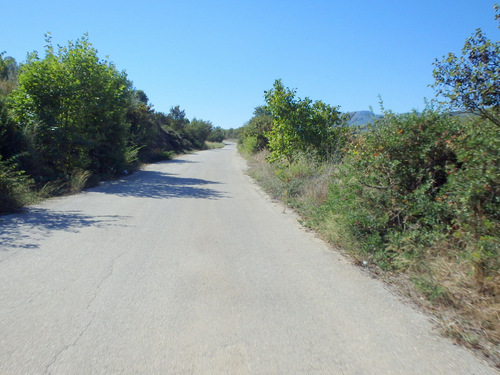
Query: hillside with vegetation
x,y
69,119
414,198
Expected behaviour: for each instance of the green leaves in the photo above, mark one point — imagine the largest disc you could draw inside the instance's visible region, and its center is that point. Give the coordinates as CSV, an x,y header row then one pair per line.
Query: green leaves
x,y
472,80
74,104
253,135
198,132
301,125
389,181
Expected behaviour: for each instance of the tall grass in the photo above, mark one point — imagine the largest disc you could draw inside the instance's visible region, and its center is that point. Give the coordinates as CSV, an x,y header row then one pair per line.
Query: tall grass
x,y
78,180
16,188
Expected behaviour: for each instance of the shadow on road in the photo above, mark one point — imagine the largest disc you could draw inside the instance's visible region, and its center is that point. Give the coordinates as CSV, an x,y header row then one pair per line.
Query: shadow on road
x,y
41,222
25,230
159,185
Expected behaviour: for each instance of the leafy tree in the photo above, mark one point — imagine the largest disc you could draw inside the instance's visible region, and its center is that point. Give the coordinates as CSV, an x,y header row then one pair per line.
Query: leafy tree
x,y
151,133
261,111
143,132
472,80
198,131
12,141
253,135
141,97
9,70
73,105
69,116
177,118
232,133
282,105
302,125
217,134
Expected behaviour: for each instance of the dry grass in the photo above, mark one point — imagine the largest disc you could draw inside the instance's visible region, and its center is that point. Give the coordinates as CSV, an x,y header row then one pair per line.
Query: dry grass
x,y
78,181
444,285
472,314
316,189
214,145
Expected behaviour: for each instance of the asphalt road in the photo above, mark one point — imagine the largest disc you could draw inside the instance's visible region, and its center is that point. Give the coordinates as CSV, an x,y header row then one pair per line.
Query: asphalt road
x,y
187,268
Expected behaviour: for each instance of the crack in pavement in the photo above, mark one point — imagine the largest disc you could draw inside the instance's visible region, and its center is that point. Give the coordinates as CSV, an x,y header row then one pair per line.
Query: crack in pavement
x,y
80,335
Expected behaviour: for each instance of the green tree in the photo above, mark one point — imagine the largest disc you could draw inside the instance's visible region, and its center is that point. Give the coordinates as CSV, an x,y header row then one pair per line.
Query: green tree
x,y
472,80
217,134
301,125
253,135
176,140
12,141
73,106
198,132
232,133
143,132
141,96
9,70
282,105
177,118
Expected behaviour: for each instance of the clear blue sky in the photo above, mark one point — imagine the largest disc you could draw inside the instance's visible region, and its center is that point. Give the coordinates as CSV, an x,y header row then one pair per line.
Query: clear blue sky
x,y
216,58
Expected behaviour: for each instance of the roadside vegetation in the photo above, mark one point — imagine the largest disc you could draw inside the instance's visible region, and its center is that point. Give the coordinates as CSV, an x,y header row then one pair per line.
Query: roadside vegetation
x,y
414,197
69,119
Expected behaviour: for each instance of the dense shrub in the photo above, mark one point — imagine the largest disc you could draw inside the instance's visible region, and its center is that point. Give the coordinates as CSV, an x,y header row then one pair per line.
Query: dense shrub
x,y
253,135
386,188
250,144
198,131
217,134
472,195
12,141
413,180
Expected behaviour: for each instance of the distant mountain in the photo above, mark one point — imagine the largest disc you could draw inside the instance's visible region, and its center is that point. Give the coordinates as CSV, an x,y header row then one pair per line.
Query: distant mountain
x,y
464,114
360,118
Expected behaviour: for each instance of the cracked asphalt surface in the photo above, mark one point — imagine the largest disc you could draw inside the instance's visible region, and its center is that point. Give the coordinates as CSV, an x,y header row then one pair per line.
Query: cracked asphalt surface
x,y
187,268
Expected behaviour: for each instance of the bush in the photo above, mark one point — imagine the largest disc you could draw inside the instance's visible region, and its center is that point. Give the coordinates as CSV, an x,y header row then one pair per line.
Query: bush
x,y
250,144
198,131
253,135
217,135
472,195
387,188
12,141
